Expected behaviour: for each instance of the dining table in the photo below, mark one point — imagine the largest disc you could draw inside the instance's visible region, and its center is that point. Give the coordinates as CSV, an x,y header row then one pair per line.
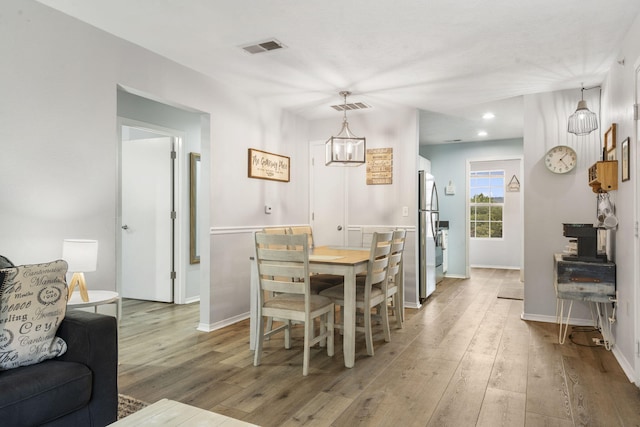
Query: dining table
x,y
338,260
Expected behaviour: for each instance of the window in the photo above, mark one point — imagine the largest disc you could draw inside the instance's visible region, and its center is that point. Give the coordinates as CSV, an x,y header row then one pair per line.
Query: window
x,y
486,189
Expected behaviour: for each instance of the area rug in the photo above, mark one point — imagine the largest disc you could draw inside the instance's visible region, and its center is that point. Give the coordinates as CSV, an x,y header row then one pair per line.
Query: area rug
x,y
127,405
511,290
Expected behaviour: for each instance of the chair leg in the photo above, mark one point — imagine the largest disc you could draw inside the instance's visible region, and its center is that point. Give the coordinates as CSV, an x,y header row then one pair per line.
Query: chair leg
x,y
269,326
323,330
308,328
367,331
260,340
330,321
287,335
398,311
385,321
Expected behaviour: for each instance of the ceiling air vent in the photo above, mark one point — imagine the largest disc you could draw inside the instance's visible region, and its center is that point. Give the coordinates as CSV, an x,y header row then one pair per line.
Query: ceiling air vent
x,y
352,106
264,46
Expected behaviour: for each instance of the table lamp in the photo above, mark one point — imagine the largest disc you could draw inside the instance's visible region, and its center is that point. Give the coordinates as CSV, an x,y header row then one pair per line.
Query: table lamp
x,y
81,255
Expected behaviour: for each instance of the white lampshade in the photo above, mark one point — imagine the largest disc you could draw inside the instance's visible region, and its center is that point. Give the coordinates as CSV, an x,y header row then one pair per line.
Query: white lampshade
x,y
81,255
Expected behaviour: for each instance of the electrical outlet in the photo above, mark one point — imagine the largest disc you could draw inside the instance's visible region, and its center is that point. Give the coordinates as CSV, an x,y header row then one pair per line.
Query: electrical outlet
x,y
405,211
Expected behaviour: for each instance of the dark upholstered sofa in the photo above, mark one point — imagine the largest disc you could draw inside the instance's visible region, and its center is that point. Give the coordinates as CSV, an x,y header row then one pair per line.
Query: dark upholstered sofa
x,y
78,388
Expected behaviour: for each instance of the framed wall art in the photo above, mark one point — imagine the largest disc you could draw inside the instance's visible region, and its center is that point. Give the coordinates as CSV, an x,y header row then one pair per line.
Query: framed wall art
x,y
194,179
610,143
625,160
263,165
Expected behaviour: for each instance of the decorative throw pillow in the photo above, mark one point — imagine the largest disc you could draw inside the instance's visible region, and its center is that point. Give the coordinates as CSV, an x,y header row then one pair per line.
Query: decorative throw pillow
x,y
33,302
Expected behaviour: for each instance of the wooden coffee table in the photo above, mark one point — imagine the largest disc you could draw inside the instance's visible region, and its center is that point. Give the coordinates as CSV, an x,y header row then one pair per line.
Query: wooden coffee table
x,y
171,413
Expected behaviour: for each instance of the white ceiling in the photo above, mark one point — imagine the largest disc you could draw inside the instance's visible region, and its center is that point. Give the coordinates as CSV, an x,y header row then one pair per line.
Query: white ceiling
x,y
454,59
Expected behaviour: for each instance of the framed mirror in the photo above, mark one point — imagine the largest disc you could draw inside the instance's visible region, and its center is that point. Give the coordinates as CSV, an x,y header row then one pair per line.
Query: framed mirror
x,y
194,179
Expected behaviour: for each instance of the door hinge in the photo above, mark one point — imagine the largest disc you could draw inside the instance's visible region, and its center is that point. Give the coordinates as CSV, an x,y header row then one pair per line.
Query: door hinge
x,y
173,215
635,111
173,274
173,154
313,216
313,161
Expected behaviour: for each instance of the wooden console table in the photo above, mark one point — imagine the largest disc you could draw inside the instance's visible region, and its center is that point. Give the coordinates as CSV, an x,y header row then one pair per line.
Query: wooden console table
x,y
593,282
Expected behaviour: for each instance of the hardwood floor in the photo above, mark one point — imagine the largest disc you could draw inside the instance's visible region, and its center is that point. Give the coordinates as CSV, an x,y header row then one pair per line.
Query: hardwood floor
x,y
463,359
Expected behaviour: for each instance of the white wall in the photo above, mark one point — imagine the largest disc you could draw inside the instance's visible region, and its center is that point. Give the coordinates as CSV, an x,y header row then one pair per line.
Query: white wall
x,y
448,163
551,199
618,99
505,252
58,124
375,205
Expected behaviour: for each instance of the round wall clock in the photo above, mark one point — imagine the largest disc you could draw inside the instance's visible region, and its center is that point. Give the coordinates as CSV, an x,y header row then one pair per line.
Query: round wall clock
x,y
560,159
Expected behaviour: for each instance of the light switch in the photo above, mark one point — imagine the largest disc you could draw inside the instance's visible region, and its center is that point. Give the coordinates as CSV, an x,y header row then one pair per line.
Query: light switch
x,y
405,211
267,209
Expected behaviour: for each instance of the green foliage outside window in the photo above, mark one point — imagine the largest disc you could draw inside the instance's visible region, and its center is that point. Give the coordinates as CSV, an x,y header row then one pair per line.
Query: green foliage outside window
x,y
487,203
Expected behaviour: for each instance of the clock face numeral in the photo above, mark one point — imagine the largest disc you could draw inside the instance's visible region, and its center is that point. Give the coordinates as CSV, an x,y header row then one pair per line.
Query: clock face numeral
x,y
560,159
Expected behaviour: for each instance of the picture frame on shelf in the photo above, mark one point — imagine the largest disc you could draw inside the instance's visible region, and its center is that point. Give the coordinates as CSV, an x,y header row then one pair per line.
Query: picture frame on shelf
x,y
610,143
624,150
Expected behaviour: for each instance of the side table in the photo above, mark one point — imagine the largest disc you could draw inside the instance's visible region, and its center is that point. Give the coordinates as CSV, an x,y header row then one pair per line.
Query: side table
x,y
96,298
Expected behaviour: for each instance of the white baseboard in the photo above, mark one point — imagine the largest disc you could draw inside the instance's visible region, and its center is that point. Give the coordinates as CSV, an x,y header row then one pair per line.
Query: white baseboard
x,y
625,365
219,325
412,305
455,276
192,300
500,267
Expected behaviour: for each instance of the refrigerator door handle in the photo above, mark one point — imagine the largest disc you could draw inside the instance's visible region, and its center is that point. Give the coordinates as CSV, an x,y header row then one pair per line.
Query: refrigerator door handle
x,y
435,225
434,198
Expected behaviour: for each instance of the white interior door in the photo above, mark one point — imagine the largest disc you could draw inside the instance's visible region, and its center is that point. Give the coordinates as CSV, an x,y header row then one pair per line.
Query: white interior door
x,y
147,224
327,199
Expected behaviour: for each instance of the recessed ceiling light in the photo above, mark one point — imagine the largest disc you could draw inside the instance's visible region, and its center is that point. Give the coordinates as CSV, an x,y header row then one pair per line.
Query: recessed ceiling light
x,y
488,116
482,133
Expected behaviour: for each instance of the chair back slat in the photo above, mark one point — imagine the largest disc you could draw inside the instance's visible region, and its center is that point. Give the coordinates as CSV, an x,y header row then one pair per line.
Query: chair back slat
x,y
303,229
283,262
378,260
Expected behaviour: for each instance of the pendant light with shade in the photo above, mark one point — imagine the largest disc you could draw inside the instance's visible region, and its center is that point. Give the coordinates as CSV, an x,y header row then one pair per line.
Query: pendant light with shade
x,y
345,149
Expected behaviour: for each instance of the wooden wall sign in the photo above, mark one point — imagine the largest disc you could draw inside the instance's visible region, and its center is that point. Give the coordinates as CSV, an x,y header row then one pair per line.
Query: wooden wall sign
x,y
379,166
263,165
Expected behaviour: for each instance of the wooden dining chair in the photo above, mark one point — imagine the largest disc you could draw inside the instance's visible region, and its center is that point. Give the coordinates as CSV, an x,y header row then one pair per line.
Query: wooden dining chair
x,y
394,294
319,282
279,258
374,291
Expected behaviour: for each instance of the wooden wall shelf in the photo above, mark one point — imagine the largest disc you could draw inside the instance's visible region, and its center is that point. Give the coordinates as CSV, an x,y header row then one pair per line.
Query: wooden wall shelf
x,y
603,176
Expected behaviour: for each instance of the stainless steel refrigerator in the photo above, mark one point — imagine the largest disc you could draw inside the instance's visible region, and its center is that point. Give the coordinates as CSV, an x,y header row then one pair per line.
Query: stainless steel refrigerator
x,y
428,224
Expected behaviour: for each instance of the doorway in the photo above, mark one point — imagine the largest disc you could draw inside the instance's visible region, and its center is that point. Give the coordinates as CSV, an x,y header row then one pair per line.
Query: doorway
x,y
148,213
498,191
327,199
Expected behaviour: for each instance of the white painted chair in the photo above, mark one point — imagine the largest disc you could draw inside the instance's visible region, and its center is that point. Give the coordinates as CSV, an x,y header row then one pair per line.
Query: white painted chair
x,y
374,291
283,271
319,282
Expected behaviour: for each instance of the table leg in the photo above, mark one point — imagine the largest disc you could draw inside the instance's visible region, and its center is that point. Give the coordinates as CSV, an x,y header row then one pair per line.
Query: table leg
x,y
349,341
